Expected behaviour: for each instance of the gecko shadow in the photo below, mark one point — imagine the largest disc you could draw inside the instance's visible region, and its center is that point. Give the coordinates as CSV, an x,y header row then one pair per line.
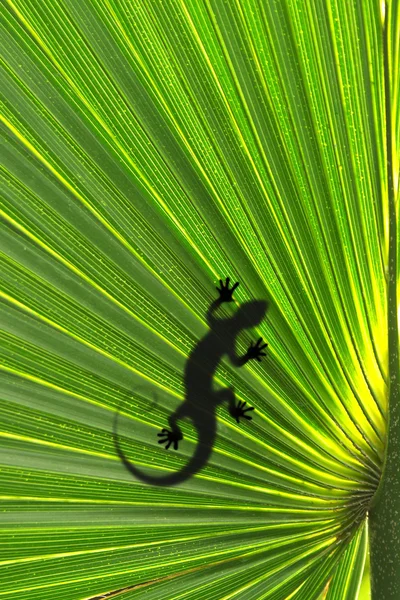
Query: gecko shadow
x,y
201,400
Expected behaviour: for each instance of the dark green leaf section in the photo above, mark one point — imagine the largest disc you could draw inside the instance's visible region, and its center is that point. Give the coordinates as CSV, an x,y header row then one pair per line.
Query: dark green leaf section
x,y
384,539
149,149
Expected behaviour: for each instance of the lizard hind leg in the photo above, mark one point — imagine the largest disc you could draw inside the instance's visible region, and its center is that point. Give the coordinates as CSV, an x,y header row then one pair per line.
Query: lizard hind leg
x,y
172,436
235,410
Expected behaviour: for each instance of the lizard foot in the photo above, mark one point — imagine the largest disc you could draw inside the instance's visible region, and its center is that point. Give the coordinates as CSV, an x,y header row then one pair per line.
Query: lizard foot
x,y
169,437
256,351
225,293
240,411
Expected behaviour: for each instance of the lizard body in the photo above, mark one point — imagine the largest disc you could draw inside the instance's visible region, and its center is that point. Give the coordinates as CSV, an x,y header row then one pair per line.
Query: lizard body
x,y
201,399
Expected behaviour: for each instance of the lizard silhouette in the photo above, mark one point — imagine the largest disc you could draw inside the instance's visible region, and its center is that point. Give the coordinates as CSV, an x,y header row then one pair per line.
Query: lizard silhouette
x,y
201,400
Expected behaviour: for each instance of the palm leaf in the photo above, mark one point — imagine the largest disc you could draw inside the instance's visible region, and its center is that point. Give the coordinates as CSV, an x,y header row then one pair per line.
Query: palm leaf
x,y
148,150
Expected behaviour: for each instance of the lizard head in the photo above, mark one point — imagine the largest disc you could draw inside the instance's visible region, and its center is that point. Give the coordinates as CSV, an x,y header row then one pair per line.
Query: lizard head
x,y
251,313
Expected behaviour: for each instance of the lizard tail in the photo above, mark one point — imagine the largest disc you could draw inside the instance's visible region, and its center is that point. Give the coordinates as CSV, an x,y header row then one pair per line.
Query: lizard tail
x,y
197,461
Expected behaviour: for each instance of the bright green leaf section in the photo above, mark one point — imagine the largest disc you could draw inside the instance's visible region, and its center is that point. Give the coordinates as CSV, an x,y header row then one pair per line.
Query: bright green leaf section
x,y
149,149
347,578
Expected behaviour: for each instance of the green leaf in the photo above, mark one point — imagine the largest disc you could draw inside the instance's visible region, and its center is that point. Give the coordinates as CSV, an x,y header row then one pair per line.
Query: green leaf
x,y
148,150
347,578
